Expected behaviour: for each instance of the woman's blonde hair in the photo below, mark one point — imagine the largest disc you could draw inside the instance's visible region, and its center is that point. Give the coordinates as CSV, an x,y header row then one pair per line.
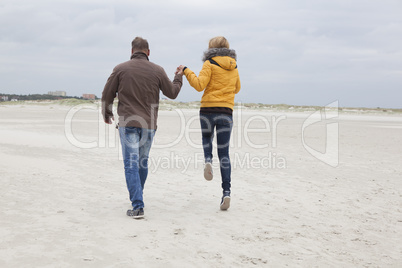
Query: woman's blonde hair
x,y
218,42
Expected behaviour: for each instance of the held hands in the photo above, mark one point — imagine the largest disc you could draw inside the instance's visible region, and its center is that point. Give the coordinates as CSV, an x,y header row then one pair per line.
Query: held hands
x,y
179,70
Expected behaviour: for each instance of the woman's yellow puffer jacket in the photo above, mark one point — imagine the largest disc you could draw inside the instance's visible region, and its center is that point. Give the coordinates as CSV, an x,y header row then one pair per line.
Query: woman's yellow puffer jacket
x,y
219,77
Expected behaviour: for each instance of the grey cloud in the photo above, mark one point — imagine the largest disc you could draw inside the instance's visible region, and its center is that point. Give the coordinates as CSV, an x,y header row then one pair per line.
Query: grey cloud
x,y
288,51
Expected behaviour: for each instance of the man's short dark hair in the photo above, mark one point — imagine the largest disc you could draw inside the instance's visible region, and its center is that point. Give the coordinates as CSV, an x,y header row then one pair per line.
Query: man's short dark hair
x,y
140,44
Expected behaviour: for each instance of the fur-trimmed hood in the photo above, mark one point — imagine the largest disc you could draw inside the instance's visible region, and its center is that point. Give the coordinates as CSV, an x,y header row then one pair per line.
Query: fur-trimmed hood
x,y
215,52
222,57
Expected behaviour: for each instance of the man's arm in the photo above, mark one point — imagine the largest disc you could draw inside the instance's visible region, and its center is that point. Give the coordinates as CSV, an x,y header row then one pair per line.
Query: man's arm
x,y
168,88
108,95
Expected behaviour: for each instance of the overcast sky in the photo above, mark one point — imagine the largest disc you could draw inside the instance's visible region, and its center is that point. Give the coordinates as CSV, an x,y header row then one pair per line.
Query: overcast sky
x,y
297,52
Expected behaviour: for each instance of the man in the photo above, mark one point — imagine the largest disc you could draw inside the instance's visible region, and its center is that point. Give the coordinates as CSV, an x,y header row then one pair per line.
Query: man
x,y
137,83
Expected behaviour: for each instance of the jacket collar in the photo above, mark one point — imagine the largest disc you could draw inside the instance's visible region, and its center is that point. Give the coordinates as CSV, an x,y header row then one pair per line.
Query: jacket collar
x,y
215,52
139,55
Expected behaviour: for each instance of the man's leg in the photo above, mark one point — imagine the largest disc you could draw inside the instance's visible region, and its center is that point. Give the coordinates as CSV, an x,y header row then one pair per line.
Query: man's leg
x,y
147,136
129,137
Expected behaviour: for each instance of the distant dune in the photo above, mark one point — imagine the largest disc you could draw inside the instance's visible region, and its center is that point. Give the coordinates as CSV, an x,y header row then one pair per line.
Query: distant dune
x,y
168,105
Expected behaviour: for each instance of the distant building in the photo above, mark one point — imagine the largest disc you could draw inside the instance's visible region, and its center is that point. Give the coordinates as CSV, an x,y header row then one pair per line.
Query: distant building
x,y
4,98
57,93
89,96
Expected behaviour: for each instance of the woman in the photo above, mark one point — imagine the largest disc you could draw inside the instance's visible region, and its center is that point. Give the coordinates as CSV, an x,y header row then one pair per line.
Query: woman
x,y
219,79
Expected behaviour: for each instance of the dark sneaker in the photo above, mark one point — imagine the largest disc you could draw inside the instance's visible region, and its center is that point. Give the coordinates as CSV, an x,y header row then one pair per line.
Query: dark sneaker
x,y
208,174
136,213
225,203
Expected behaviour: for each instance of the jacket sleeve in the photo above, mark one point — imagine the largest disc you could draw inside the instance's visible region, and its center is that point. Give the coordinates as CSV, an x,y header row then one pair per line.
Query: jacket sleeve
x,y
170,89
200,82
108,95
238,85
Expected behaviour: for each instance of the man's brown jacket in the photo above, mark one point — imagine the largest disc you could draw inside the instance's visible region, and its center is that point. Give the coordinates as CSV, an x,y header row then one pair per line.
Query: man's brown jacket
x,y
137,83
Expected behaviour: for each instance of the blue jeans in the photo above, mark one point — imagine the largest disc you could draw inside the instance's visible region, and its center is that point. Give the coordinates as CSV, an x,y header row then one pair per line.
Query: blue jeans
x,y
223,124
136,144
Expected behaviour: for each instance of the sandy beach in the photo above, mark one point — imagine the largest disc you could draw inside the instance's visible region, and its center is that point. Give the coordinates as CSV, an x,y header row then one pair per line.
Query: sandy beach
x,y
301,196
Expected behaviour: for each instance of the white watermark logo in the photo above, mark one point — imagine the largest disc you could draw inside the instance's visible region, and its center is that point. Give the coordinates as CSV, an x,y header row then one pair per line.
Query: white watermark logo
x,y
331,154
253,135
196,161
107,136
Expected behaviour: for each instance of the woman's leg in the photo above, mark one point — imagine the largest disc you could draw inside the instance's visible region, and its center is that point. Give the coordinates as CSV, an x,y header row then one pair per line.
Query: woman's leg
x,y
207,130
224,124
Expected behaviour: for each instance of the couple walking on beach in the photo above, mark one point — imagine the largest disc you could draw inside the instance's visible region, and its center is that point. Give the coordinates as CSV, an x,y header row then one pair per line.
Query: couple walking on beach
x,y
137,83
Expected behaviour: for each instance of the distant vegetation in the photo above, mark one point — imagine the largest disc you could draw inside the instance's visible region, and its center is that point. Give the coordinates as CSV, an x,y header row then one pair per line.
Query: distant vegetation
x,y
36,97
166,104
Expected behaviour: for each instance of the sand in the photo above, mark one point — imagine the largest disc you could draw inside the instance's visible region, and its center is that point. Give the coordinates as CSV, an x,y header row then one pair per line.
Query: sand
x,y
63,196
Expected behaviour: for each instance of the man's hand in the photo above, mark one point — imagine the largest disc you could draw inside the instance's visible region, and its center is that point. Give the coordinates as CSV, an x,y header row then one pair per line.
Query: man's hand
x,y
109,120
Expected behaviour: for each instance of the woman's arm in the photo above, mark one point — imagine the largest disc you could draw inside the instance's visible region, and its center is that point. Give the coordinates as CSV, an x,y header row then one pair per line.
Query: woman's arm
x,y
200,82
237,84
